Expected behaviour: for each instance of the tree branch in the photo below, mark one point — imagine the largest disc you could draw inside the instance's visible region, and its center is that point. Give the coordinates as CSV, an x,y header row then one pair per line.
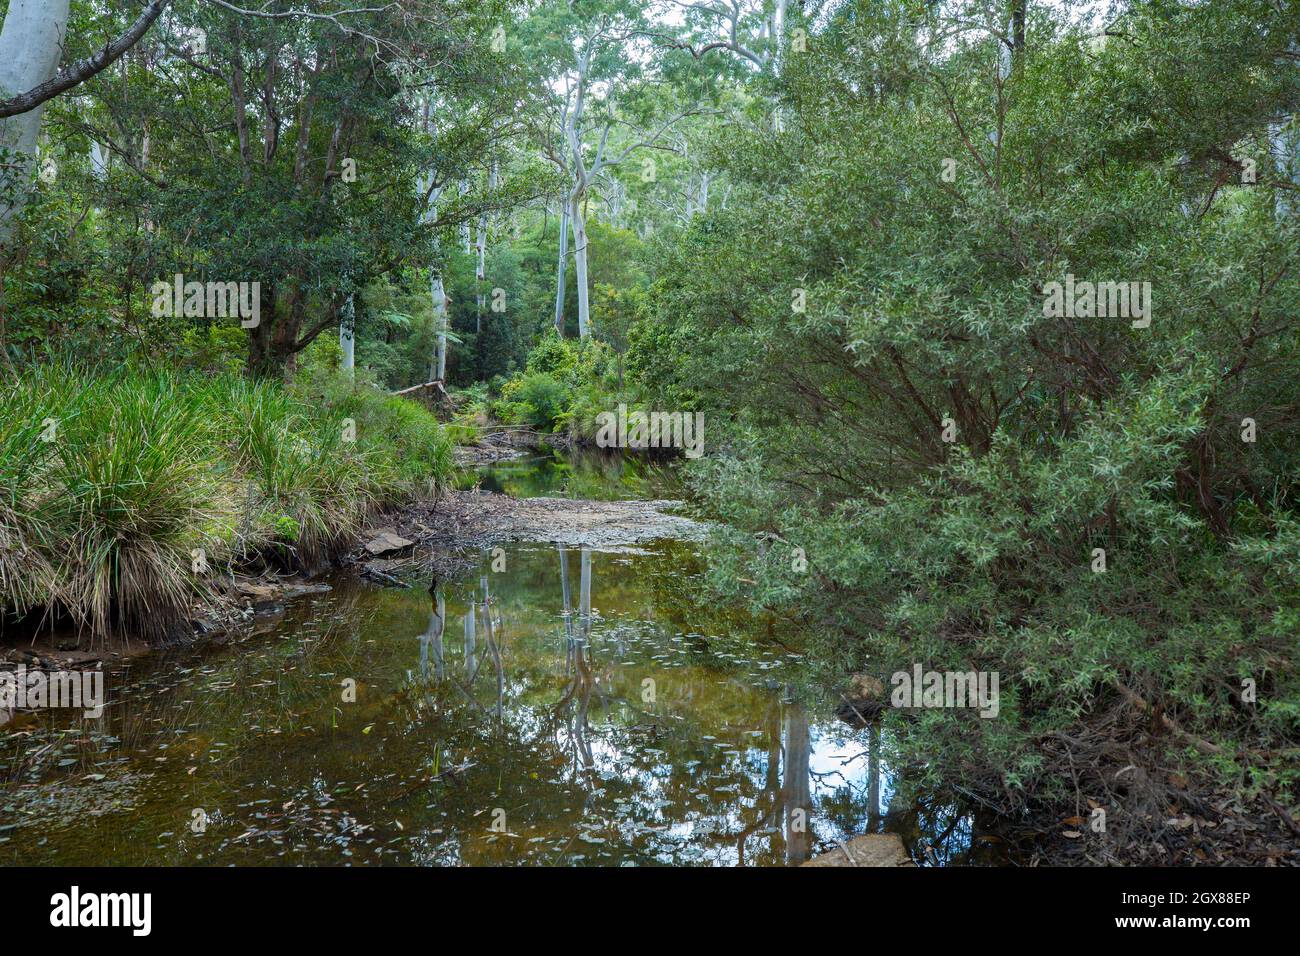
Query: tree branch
x,y
74,74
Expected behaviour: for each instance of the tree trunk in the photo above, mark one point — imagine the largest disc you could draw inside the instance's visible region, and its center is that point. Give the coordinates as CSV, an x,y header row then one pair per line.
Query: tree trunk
x,y
348,335
31,42
438,294
440,322
480,269
559,279
580,261
465,238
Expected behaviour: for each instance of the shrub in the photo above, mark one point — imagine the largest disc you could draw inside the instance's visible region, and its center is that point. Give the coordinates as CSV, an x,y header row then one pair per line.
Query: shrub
x,y
539,400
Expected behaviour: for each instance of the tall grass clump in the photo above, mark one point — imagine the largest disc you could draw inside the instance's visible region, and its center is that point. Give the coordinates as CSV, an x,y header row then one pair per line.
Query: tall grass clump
x,y
135,493
405,443
304,485
30,413
111,484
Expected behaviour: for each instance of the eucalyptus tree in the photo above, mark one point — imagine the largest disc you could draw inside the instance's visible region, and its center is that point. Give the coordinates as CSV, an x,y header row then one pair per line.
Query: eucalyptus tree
x,y
752,30
33,37
286,150
430,189
605,70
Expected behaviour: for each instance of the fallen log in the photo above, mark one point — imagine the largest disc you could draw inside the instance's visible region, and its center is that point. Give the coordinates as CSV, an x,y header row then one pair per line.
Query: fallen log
x,y
434,386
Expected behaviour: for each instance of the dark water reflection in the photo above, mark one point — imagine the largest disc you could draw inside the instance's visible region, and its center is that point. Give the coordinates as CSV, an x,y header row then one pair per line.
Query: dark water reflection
x,y
573,708
582,473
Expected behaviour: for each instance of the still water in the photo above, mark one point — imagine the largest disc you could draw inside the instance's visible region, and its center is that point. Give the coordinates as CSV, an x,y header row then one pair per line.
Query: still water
x,y
573,707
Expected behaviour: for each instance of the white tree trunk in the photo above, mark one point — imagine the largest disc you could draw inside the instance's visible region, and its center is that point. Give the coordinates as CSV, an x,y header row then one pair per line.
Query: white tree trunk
x,y
440,323
348,335
465,237
778,30
580,262
480,269
98,161
560,270
31,43
437,294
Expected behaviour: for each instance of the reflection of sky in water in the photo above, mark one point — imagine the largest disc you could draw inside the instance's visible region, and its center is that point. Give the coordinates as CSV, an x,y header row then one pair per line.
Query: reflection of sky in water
x,y
720,767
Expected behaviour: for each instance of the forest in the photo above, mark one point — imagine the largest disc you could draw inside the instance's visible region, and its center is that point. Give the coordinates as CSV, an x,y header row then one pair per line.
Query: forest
x,y
927,371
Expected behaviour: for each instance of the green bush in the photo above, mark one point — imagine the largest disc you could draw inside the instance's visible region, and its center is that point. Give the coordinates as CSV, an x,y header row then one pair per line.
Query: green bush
x,y
131,491
947,458
538,399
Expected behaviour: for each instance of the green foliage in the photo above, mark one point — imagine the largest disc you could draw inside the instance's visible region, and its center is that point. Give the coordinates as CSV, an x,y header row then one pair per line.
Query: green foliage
x,y
109,484
538,399
922,304
566,383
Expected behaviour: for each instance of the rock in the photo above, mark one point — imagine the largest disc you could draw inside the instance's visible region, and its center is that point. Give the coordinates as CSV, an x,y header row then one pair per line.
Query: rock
x,y
862,701
871,849
257,591
866,686
387,542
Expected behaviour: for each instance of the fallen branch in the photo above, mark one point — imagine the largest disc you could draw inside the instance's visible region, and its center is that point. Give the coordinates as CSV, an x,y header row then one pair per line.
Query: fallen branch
x,y
382,577
435,385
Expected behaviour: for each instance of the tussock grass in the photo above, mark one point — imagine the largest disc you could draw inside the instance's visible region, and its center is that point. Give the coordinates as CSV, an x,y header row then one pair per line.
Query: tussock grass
x,y
27,412
142,470
135,488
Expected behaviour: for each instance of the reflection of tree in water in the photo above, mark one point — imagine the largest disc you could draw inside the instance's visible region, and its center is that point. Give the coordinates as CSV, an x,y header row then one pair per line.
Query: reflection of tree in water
x,y
573,707
587,474
785,806
797,797
649,777
431,639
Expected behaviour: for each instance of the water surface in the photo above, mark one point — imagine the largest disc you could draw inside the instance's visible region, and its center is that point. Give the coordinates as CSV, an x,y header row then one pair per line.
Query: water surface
x,y
596,708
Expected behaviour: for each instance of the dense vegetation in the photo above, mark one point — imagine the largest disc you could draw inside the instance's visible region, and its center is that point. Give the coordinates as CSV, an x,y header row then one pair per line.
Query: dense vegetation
x,y
126,495
834,230
1173,448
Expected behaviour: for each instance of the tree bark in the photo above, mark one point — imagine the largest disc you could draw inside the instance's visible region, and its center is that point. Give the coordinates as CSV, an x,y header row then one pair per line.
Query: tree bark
x,y
1018,26
31,42
560,270
77,73
439,295
348,335
580,263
